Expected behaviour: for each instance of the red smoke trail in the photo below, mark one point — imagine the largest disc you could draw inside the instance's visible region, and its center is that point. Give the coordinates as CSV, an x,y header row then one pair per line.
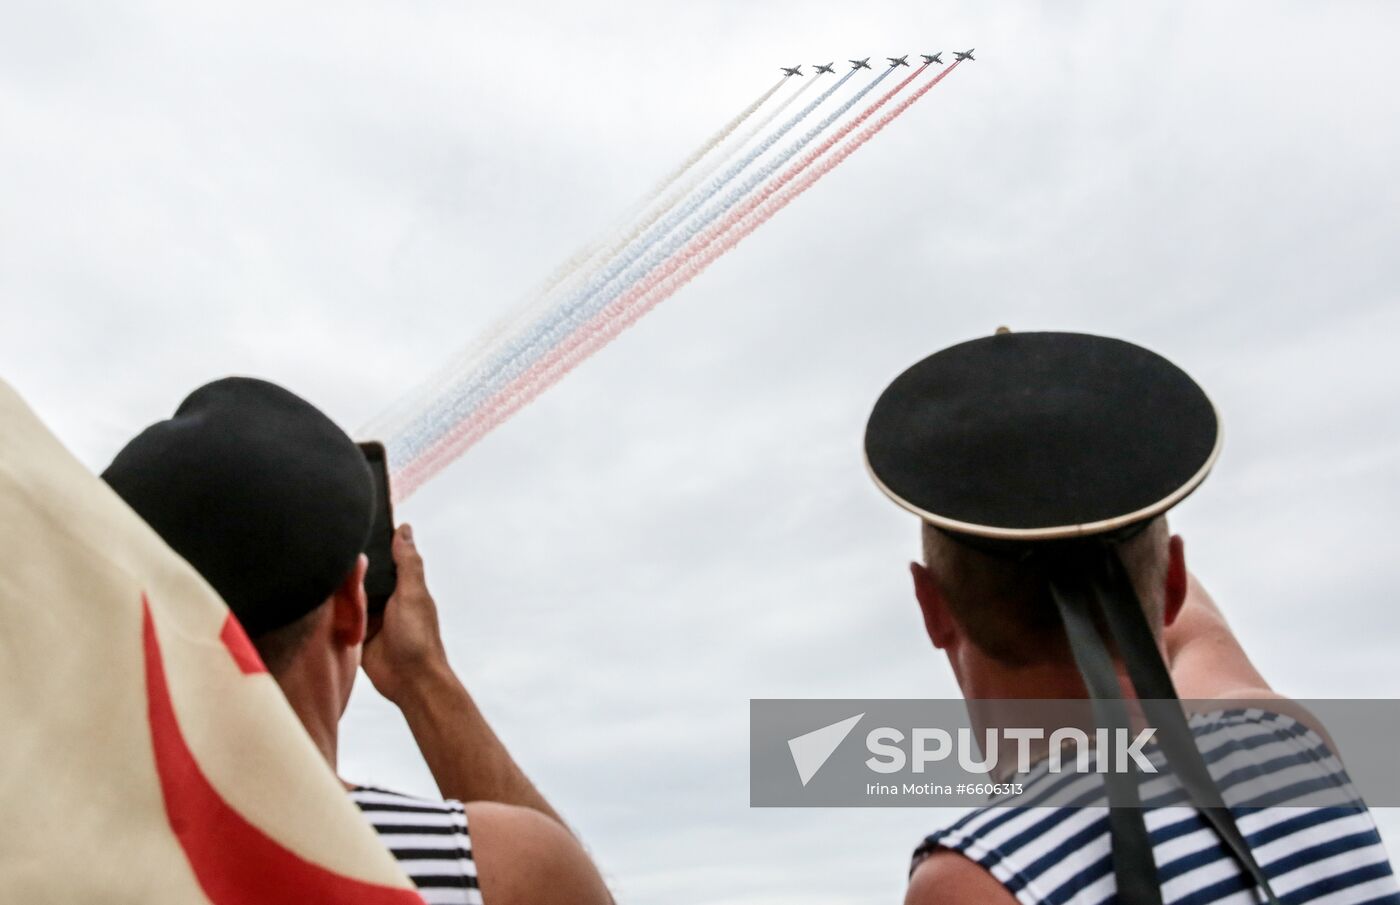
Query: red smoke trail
x,y
406,409
584,255
655,288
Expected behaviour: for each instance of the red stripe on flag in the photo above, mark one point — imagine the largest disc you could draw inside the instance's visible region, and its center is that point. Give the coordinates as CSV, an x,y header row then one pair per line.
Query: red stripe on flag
x,y
240,648
235,862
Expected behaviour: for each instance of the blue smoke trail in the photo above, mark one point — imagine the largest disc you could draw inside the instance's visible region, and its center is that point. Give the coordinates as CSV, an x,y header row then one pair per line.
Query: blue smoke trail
x,y
424,397
420,432
587,301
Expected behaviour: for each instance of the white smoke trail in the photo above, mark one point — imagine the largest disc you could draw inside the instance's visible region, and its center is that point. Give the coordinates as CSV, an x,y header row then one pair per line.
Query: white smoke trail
x,y
462,399
714,140
602,254
393,420
645,295
406,418
583,255
698,177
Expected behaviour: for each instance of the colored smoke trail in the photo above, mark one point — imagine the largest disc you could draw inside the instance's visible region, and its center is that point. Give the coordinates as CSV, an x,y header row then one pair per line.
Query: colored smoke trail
x,y
405,410
598,249
647,294
462,395
602,254
463,408
466,395
683,191
713,142
703,173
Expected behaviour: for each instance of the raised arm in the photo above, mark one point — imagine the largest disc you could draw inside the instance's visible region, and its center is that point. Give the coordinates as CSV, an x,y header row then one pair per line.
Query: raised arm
x,y
524,851
1206,660
406,661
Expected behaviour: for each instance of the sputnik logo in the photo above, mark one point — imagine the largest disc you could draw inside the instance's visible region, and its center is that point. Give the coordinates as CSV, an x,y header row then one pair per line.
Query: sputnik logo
x,y
812,750
235,862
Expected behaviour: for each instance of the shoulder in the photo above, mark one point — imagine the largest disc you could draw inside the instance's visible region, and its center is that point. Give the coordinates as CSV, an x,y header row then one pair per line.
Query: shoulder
x,y
1263,709
523,856
946,876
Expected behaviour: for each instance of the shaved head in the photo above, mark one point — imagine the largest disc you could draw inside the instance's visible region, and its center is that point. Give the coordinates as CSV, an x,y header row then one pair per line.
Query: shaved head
x,y
1004,606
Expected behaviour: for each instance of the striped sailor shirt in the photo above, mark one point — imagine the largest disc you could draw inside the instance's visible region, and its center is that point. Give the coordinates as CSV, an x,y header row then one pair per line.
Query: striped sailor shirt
x,y
430,841
1061,855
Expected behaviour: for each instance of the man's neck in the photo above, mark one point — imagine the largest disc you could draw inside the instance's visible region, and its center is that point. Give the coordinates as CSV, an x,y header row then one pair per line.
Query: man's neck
x,y
313,694
1002,697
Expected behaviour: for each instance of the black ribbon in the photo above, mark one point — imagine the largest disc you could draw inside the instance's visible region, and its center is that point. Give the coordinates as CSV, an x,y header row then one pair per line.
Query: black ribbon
x,y
1091,579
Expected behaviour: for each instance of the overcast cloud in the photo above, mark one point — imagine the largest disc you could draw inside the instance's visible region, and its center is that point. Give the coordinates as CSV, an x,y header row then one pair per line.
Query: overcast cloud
x,y
337,196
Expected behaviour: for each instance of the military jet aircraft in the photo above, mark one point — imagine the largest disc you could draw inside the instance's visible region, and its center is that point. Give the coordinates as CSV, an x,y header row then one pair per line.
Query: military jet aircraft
x,y
930,58
964,55
826,68
860,64
791,70
899,61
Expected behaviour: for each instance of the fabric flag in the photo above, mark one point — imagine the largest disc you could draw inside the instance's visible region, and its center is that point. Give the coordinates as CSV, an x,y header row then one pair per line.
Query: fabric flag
x,y
147,756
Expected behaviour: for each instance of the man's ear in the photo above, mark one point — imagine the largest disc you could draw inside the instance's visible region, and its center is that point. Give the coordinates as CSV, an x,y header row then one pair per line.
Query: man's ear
x,y
1177,579
942,630
350,607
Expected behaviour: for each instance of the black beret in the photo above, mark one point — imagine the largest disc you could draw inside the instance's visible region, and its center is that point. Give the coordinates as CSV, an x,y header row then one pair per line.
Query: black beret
x,y
258,490
1039,436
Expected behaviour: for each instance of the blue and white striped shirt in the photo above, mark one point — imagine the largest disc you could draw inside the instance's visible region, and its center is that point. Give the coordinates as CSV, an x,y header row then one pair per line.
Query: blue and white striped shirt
x,y
1061,855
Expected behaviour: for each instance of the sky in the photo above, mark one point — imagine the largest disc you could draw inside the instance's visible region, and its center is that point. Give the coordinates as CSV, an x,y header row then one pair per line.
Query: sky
x,y
339,196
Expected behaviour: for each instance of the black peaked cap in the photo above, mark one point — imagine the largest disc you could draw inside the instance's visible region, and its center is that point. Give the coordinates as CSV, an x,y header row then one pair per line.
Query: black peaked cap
x,y
1040,436
258,490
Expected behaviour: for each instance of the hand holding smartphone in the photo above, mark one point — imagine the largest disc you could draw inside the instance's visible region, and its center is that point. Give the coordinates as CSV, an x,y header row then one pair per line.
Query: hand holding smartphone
x,y
382,575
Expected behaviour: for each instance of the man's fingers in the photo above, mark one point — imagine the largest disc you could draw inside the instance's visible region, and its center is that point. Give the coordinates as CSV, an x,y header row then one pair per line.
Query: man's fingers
x,y
406,558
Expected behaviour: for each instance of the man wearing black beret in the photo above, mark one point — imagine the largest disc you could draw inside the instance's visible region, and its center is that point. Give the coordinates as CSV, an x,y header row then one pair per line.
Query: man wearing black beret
x,y
1041,466
271,502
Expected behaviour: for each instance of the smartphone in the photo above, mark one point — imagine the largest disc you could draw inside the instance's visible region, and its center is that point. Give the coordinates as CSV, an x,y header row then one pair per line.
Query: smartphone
x,y
382,575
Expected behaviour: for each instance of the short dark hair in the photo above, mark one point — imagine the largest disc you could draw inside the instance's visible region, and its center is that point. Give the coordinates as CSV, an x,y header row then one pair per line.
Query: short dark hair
x,y
1004,606
278,647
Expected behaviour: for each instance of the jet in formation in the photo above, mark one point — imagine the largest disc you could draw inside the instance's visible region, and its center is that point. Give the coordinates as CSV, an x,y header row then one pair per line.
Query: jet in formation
x,y
791,70
964,55
860,64
827,68
898,61
931,58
